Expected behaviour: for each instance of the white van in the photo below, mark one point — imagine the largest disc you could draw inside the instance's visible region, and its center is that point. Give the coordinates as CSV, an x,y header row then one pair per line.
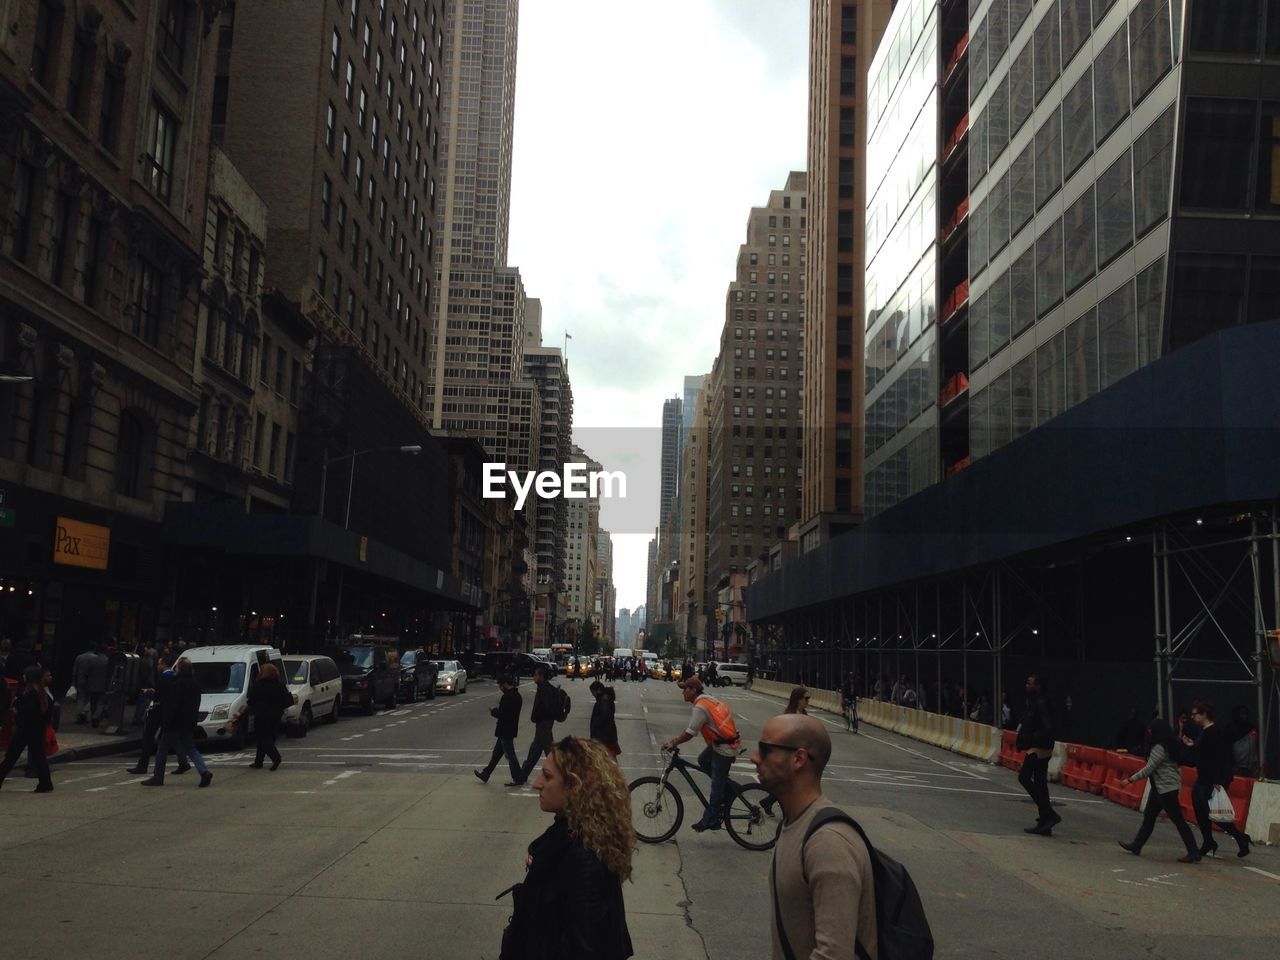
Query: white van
x,y
734,672
225,674
542,653
622,653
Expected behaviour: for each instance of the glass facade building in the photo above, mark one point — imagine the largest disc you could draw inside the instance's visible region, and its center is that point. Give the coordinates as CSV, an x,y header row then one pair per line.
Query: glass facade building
x,y
1125,175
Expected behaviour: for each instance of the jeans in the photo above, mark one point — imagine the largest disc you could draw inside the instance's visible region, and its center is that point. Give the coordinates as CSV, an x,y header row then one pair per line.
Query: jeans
x,y
1200,803
503,747
542,743
1168,802
181,743
1034,777
718,766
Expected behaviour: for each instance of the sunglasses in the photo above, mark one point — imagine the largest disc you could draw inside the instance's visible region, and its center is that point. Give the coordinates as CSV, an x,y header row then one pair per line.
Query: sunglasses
x,y
765,747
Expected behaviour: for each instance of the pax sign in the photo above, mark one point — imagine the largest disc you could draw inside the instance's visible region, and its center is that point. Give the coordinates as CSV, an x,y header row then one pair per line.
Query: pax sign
x,y
81,544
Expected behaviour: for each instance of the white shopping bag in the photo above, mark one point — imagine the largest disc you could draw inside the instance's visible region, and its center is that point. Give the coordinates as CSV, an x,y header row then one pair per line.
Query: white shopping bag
x,y
1220,809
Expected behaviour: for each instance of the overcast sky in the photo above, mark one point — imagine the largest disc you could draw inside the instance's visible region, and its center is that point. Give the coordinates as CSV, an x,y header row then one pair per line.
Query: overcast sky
x,y
644,135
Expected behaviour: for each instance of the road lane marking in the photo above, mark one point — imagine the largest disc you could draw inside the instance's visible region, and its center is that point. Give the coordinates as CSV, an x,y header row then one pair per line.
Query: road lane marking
x,y
342,776
122,783
917,753
67,783
1263,872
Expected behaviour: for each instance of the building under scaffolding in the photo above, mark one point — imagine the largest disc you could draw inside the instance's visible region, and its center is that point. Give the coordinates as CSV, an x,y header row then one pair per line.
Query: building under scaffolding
x,y
1128,550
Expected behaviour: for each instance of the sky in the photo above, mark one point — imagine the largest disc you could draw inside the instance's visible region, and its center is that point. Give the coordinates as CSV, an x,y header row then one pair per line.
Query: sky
x,y
644,135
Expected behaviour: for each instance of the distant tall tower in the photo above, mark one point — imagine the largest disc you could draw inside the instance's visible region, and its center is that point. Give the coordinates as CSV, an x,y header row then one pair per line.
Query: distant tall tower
x,y
476,311
672,429
842,39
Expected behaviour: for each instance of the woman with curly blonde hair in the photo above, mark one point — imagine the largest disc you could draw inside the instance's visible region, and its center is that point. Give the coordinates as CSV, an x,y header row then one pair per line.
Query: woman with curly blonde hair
x,y
569,906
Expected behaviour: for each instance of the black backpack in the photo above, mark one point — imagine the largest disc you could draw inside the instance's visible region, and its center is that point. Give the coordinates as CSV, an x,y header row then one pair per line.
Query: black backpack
x,y
902,930
563,703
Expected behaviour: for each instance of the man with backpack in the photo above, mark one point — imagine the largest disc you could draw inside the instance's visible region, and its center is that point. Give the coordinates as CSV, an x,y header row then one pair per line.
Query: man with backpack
x,y
550,705
834,895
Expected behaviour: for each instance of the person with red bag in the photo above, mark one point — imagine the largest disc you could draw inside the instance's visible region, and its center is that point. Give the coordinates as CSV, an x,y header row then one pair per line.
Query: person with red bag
x,y
31,723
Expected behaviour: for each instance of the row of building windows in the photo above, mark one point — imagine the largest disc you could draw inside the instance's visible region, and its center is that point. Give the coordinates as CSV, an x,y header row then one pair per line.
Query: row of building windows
x,y
912,392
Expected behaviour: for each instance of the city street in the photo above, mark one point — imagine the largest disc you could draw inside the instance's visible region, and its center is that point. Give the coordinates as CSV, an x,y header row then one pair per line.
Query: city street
x,y
374,840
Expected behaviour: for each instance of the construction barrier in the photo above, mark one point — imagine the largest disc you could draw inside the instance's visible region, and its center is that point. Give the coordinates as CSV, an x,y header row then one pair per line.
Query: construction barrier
x,y
1263,822
1115,781
1085,768
979,740
1010,756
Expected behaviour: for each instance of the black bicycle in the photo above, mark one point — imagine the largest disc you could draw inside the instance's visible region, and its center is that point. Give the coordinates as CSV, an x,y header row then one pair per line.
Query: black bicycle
x,y
752,815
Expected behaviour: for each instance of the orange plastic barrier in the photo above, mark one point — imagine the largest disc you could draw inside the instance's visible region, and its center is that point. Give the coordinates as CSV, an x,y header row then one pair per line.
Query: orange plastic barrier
x,y
1085,768
1240,792
1010,756
1115,785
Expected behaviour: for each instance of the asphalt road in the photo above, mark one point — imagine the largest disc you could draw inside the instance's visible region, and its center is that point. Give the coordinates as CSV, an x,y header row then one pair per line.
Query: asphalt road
x,y
373,839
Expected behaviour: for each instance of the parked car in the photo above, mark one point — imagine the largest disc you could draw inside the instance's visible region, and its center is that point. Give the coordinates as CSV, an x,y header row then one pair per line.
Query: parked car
x,y
369,674
417,679
451,678
226,674
515,662
316,684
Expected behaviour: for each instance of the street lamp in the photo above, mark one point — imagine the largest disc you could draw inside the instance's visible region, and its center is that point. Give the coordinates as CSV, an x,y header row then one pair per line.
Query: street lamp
x,y
412,448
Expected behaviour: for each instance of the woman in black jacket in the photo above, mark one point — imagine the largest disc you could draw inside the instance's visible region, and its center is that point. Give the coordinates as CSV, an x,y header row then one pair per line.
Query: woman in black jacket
x,y
32,718
604,729
569,906
268,700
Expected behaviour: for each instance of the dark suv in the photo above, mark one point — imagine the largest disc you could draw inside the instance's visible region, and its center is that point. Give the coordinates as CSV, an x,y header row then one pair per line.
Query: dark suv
x,y
370,674
417,677
515,662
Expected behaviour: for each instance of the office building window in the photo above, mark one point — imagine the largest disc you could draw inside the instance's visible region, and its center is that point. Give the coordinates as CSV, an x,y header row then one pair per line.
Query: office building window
x,y
998,201
1080,241
148,300
79,76
1117,336
1225,27
61,238
1115,210
1218,146
977,150
1151,50
1049,268
1021,88
109,108
94,255
1077,123
1100,8
1048,52
998,119
1111,85
979,441
978,60
1049,157
1153,173
998,19
999,313
133,456
326,196
1022,389
1076,27
1051,388
979,332
998,412
24,204
1151,283
44,45
164,135
1018,10
978,238
1022,292
1207,295
1081,358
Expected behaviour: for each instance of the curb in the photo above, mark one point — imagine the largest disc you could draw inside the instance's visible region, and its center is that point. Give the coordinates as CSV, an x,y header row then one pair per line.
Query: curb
x,y
112,746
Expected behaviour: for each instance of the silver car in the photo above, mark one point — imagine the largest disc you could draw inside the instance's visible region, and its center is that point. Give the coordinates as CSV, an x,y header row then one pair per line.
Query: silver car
x,y
451,678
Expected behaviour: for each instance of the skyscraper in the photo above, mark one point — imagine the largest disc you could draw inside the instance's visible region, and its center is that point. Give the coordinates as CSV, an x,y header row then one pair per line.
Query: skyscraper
x,y
842,38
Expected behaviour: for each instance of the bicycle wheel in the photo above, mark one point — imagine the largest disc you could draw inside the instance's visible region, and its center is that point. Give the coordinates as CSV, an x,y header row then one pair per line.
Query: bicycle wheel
x,y
755,817
656,809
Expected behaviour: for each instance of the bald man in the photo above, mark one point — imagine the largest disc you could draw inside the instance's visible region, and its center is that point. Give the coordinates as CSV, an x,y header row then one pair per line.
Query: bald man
x,y
823,890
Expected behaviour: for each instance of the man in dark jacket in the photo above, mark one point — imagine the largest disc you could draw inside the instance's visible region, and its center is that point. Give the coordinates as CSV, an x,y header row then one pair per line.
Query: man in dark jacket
x,y
163,688
1036,736
543,719
1214,768
507,713
178,717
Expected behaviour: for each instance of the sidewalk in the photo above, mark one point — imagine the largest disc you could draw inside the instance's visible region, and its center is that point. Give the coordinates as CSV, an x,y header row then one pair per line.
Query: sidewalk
x,y
80,741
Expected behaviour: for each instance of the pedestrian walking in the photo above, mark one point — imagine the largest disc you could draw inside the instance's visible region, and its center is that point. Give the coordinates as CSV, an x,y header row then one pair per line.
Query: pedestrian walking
x,y
1213,769
799,702
1166,781
1243,737
33,710
178,723
151,721
604,729
146,685
1036,737
269,698
80,668
543,718
99,669
570,906
507,713
821,880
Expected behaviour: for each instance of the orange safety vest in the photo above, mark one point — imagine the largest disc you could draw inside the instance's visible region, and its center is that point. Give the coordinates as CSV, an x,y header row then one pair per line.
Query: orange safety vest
x,y
721,731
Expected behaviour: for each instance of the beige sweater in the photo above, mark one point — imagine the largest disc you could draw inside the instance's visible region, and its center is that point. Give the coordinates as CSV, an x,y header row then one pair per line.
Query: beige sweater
x,y
838,905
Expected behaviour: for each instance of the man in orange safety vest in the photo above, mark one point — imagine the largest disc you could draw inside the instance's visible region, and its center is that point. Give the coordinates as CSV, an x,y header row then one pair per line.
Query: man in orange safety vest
x,y
714,721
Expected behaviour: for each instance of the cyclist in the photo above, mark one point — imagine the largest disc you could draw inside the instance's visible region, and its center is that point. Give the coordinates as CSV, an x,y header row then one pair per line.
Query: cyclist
x,y
715,722
849,700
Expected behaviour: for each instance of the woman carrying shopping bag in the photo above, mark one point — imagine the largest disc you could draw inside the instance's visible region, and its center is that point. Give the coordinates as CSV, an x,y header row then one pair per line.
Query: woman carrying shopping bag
x,y
1213,769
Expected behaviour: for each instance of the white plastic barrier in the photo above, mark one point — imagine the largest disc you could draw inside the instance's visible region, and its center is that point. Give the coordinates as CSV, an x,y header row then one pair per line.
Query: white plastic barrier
x,y
1263,824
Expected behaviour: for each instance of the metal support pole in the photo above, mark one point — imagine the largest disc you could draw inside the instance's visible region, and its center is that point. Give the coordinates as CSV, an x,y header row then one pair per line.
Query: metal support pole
x,y
1168,620
1162,709
964,648
1275,601
996,641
